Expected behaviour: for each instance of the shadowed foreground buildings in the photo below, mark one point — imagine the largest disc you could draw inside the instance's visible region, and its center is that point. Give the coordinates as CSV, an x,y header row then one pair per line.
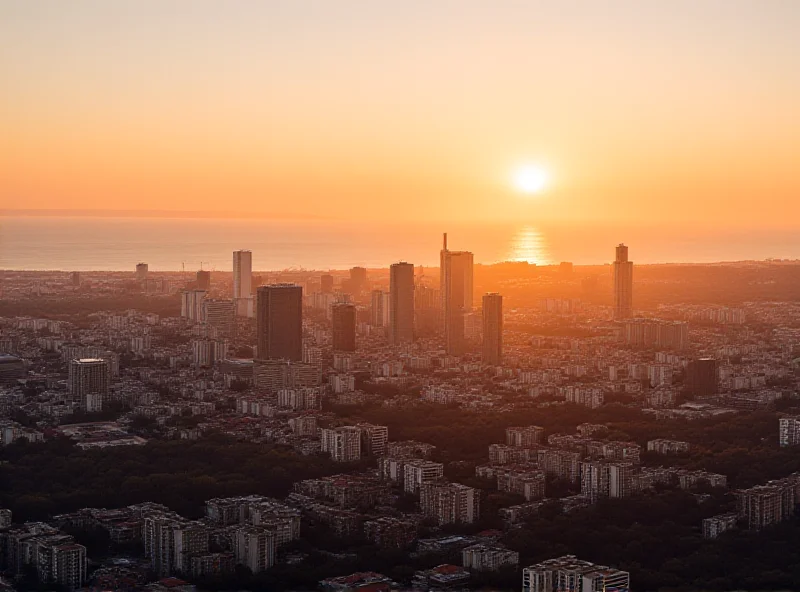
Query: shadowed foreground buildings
x,y
344,327
573,574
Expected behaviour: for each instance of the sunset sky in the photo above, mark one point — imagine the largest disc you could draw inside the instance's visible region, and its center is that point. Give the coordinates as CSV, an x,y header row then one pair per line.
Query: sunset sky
x,y
641,112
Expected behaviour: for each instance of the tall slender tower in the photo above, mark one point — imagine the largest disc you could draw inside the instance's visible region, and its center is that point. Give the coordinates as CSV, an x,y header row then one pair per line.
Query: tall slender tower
x,y
492,329
623,284
279,322
401,303
243,282
456,288
344,327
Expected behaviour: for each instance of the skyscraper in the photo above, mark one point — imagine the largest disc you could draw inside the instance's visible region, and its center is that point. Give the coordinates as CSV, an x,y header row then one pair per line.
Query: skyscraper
x,y
141,271
326,283
242,282
456,290
623,284
492,329
401,303
380,309
279,322
358,279
344,327
701,377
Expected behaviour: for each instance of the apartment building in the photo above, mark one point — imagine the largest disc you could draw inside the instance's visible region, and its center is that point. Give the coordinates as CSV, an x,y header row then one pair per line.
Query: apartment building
x,y
450,503
570,574
488,557
417,472
524,437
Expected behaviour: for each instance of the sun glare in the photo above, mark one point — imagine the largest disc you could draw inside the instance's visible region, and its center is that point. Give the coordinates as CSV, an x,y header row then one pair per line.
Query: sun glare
x,y
531,179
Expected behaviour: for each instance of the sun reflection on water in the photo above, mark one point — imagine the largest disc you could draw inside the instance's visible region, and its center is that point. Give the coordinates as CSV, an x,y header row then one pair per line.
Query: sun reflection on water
x,y
528,244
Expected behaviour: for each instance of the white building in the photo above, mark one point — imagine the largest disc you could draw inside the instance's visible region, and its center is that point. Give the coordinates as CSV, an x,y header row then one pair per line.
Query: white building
x,y
417,472
343,443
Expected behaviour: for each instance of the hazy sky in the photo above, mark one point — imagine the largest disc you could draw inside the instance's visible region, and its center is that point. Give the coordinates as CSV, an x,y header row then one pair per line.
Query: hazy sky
x,y
642,111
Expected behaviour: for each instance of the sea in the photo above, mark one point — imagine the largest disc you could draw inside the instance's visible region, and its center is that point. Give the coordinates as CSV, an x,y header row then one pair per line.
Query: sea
x,y
172,244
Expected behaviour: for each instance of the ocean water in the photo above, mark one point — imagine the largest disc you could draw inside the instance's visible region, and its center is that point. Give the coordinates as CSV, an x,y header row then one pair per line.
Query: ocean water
x,y
93,243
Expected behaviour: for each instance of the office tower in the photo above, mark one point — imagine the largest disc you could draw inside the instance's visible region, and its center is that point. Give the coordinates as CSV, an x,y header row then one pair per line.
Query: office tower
x,y
358,279
701,377
75,278
492,329
344,327
279,322
401,303
379,312
623,284
326,283
203,279
243,282
218,313
456,290
427,311
141,271
88,375
192,305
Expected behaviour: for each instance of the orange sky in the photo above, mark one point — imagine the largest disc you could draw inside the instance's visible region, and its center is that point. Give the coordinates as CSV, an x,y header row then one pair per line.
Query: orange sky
x,y
643,112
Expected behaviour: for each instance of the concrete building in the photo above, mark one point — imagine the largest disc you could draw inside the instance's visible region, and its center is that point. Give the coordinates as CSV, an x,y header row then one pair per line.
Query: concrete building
x,y
373,439
450,503
88,375
623,284
326,283
243,283
488,557
456,278
492,329
716,525
401,303
524,437
279,322
344,327
219,313
570,574
389,532
255,548
416,472
607,479
379,311
343,443
203,279
702,377
764,505
62,563
141,271
789,430
662,446
275,375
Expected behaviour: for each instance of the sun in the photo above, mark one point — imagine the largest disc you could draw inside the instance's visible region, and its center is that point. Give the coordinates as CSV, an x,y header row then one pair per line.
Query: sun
x,y
531,179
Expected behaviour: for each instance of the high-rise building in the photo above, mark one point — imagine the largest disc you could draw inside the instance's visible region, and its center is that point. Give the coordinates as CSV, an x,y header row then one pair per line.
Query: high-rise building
x,y
492,329
203,279
456,291
623,284
254,547
358,279
218,313
419,471
88,375
192,305
141,271
401,303
326,283
279,322
75,278
427,311
789,430
344,327
343,443
701,377
379,312
373,439
243,282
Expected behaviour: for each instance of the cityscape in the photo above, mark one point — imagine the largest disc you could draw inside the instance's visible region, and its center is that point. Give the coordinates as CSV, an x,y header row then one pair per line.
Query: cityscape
x,y
382,429
399,296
